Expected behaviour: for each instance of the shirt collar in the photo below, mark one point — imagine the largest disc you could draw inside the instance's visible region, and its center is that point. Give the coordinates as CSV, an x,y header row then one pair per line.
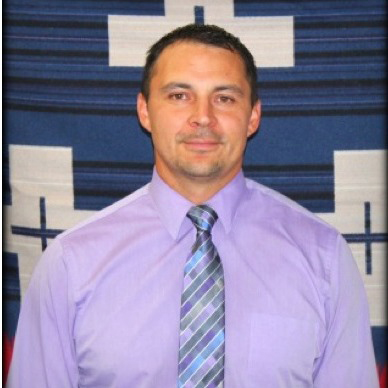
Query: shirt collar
x,y
173,207
227,200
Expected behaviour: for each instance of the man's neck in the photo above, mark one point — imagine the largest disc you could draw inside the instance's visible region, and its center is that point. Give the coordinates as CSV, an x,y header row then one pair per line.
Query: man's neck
x,y
197,190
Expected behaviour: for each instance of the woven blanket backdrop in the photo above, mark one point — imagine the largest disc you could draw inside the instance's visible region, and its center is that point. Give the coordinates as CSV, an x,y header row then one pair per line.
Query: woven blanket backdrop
x,y
72,143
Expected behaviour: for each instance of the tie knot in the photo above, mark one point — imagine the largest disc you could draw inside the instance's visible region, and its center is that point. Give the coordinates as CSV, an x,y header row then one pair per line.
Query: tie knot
x,y
203,217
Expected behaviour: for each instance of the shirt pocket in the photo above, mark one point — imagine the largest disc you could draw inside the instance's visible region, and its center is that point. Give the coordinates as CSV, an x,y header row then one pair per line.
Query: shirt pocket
x,y
281,351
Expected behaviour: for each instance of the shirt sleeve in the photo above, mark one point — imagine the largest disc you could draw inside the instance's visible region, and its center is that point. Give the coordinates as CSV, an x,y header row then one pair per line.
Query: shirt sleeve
x,y
348,358
44,352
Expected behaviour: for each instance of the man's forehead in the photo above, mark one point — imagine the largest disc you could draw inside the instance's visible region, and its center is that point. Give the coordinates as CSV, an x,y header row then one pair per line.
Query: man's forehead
x,y
192,44
186,51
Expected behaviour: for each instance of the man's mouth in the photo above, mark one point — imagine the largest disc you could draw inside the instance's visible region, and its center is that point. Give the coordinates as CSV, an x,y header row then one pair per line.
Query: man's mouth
x,y
201,144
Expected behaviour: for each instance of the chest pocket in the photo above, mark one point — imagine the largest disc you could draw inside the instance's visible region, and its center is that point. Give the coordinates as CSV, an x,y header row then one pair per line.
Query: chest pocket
x,y
281,351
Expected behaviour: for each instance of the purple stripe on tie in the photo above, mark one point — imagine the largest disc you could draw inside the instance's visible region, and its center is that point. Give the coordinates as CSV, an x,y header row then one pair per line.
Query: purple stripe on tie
x,y
190,330
187,361
192,285
202,239
202,356
204,256
197,295
197,255
212,331
213,277
218,378
210,334
200,325
202,304
207,258
202,308
196,324
207,365
204,261
199,371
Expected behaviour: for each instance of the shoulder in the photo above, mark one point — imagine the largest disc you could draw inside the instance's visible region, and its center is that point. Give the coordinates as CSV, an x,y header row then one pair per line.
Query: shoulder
x,y
110,217
90,246
277,204
284,219
93,238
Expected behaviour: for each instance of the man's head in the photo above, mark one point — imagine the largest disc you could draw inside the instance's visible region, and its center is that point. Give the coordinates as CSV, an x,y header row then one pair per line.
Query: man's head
x,y
198,106
206,34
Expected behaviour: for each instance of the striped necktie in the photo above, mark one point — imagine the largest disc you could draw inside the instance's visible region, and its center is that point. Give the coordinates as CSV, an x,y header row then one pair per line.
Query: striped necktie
x,y
202,327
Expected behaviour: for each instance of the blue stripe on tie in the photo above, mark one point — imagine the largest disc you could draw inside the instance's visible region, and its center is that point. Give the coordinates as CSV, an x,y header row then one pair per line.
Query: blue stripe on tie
x,y
196,279
214,374
194,311
208,285
212,327
196,257
201,358
202,339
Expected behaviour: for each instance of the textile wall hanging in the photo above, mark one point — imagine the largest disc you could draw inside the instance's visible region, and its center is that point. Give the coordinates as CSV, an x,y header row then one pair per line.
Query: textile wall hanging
x,y
73,145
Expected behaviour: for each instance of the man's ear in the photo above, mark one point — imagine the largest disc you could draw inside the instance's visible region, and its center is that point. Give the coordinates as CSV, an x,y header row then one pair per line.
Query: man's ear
x,y
142,112
254,120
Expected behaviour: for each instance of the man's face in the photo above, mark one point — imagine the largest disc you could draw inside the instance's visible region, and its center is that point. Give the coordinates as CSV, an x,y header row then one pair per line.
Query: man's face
x,y
199,113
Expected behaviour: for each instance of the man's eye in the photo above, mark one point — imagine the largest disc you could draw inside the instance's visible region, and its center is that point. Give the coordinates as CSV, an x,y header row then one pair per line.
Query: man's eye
x,y
225,99
178,96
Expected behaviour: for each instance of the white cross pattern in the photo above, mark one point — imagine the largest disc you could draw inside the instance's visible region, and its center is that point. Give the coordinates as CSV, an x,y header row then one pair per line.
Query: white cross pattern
x,y
38,172
269,38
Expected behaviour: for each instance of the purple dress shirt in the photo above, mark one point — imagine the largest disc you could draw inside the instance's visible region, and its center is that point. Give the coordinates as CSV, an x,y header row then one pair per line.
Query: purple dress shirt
x,y
103,306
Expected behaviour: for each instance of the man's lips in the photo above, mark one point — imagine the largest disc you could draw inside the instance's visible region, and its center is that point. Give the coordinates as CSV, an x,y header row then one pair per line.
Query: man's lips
x,y
201,144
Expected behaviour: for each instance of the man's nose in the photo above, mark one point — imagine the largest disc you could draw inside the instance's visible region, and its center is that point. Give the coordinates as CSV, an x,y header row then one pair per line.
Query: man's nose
x,y
203,113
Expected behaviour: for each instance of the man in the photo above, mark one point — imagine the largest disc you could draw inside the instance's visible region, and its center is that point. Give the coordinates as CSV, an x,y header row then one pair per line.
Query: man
x,y
268,296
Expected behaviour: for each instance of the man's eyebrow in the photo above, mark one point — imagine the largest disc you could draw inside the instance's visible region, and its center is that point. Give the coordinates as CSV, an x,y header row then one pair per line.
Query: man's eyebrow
x,y
182,85
175,85
233,88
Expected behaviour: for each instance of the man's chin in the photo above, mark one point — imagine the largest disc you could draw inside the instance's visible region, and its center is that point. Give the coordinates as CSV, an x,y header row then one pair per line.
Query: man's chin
x,y
201,172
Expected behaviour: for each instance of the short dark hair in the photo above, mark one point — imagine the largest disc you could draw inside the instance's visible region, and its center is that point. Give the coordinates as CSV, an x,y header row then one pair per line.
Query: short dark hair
x,y
206,34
